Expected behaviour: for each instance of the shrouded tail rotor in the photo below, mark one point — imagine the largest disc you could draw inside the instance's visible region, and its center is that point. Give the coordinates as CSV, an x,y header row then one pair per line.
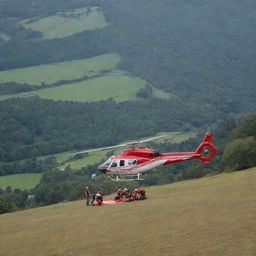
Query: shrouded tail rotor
x,y
206,150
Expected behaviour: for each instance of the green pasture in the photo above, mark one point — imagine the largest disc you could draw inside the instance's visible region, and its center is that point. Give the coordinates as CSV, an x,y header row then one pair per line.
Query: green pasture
x,y
68,70
4,36
160,94
118,87
208,216
69,23
21,181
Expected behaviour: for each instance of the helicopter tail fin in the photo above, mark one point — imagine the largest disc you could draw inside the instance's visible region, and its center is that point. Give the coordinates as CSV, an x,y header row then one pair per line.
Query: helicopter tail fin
x,y
206,149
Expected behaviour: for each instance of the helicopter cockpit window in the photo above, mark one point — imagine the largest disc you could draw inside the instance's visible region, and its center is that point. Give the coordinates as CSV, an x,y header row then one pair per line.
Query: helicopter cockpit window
x,y
114,163
131,162
108,162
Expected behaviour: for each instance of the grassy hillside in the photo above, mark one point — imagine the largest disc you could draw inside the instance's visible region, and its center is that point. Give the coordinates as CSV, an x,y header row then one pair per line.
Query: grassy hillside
x,y
22,181
209,216
68,23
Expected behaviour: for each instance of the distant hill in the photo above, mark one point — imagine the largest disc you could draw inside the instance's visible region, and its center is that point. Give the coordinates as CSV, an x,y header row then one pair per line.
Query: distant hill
x,y
91,73
200,51
209,216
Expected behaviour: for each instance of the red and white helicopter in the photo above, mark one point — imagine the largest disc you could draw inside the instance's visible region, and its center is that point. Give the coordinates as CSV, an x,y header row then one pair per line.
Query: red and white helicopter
x,y
133,162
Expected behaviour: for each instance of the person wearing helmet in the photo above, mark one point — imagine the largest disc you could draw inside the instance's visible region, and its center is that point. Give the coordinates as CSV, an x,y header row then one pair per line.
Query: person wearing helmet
x,y
126,193
139,194
120,194
99,197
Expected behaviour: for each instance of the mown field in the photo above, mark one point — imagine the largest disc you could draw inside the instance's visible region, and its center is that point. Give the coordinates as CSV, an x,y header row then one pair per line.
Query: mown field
x,y
210,216
68,23
21,181
68,70
106,81
4,37
118,87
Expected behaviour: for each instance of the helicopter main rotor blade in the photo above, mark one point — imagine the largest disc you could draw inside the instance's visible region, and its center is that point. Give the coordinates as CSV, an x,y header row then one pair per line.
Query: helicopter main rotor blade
x,y
98,149
154,138
118,146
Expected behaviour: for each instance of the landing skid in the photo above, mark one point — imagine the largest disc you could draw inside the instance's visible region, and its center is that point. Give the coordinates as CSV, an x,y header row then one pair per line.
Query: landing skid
x,y
126,177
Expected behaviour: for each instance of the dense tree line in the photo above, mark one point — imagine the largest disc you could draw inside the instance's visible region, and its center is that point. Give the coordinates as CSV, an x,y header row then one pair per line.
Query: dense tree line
x,y
12,87
28,166
32,127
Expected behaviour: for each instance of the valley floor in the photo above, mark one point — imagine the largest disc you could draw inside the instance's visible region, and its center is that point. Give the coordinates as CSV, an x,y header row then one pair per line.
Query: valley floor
x,y
210,216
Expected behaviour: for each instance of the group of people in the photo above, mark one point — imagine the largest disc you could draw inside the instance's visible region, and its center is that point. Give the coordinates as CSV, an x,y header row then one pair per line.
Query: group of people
x,y
136,194
122,194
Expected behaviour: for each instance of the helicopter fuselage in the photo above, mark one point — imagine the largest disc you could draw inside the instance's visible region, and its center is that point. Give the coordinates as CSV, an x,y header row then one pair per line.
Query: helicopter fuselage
x,y
140,160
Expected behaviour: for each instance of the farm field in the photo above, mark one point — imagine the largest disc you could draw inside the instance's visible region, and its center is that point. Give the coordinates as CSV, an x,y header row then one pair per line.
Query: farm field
x,y
68,70
208,216
21,181
119,87
68,23
4,36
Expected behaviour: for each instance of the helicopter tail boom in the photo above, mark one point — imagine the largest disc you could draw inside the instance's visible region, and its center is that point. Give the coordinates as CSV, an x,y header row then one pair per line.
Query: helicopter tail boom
x,y
206,150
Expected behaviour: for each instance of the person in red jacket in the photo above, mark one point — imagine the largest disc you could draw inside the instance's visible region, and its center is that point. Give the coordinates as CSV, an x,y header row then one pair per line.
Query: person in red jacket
x,y
120,194
98,198
139,194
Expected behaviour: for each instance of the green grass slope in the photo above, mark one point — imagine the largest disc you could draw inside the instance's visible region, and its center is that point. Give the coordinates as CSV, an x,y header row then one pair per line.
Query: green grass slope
x,y
22,181
209,216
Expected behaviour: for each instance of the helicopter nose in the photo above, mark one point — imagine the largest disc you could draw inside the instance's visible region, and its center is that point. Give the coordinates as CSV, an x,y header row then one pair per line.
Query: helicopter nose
x,y
102,168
